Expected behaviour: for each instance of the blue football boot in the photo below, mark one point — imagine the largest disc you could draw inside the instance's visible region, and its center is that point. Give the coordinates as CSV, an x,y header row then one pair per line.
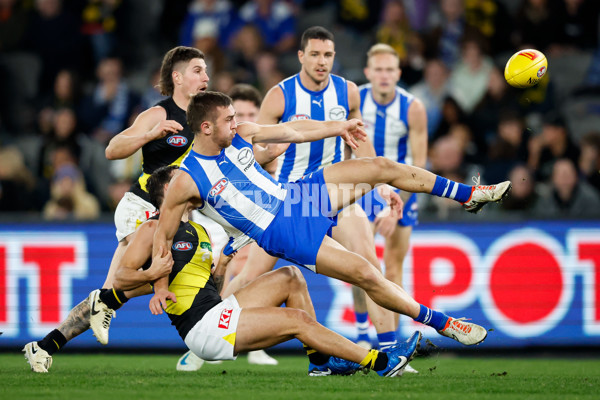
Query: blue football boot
x,y
399,355
334,366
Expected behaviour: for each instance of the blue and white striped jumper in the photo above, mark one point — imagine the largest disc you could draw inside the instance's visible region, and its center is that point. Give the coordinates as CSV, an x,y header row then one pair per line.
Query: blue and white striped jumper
x,y
329,104
236,192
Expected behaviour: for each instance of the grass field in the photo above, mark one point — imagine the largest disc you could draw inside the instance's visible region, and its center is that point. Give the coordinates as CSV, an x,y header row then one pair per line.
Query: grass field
x,y
111,377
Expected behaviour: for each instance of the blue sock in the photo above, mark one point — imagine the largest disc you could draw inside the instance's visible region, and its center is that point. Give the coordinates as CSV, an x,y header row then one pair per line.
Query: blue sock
x,y
386,340
453,190
437,320
362,324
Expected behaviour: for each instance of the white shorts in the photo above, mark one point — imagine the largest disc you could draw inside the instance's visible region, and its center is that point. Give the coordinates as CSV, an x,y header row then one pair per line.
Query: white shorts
x,y
131,212
213,337
218,236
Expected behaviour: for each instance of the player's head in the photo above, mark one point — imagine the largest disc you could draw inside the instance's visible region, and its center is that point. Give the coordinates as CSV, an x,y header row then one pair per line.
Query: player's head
x,y
317,53
157,184
246,102
383,68
183,69
211,114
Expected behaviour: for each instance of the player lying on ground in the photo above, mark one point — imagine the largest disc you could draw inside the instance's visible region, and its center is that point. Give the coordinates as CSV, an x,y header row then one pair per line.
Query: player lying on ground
x,y
221,177
216,329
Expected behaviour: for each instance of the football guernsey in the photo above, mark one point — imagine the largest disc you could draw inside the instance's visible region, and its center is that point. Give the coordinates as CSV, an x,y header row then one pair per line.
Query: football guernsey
x,y
329,104
169,150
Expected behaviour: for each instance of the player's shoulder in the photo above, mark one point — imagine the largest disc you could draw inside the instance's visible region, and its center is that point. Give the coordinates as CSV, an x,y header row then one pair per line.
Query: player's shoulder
x,y
154,113
405,93
364,88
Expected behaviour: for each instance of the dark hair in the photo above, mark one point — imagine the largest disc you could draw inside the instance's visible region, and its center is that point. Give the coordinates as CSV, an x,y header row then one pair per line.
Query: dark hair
x,y
156,184
203,107
173,57
315,32
245,92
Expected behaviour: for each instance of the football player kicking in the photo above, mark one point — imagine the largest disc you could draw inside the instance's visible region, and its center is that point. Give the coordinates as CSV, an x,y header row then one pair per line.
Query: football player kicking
x,y
291,220
217,329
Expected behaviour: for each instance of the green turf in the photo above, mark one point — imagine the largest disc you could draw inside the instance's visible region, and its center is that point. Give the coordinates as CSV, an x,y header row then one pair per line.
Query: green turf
x,y
132,377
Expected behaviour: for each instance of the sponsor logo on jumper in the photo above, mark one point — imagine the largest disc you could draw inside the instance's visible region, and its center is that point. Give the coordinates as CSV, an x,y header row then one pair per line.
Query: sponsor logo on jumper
x,y
317,102
337,113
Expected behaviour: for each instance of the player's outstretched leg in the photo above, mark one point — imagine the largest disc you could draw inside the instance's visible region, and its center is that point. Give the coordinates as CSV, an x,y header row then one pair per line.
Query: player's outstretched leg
x,y
365,173
335,261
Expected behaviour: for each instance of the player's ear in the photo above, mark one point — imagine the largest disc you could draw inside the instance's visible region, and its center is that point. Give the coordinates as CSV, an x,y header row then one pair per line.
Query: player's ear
x,y
300,56
176,76
206,127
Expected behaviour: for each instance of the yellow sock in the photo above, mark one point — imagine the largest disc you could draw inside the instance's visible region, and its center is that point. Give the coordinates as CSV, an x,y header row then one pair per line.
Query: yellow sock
x,y
369,360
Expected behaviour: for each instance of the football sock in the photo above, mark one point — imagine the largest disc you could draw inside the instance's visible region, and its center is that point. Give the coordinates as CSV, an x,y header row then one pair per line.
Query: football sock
x,y
386,340
375,360
437,320
314,356
362,325
53,342
453,190
114,299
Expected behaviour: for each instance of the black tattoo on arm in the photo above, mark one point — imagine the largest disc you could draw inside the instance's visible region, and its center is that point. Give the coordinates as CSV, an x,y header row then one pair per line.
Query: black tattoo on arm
x,y
219,280
77,322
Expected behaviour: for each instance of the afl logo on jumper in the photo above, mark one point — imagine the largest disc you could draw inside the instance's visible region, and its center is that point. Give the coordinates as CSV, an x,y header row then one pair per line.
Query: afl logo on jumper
x,y
298,117
337,113
177,141
218,187
182,246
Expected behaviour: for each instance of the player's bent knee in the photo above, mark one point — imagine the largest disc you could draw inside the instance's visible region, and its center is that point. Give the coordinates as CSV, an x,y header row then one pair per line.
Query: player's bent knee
x,y
293,276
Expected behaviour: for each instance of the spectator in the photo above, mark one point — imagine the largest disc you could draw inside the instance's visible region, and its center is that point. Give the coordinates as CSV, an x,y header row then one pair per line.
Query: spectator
x,y
220,13
151,94
267,71
498,98
246,46
107,110
205,39
54,35
470,76
576,26
447,32
535,26
589,159
523,196
491,19
567,195
432,91
508,148
275,21
66,94
452,115
17,184
100,20
13,25
552,144
69,199
359,16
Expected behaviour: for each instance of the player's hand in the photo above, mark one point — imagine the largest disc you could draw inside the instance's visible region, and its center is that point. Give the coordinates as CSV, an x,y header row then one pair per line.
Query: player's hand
x,y
386,220
164,128
354,132
161,264
158,302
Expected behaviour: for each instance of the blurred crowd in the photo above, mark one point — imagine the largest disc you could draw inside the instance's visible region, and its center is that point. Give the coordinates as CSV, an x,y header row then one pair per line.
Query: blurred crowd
x,y
74,73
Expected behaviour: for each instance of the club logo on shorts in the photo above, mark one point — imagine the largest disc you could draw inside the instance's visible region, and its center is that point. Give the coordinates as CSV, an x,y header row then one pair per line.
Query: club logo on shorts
x,y
177,141
337,113
218,187
182,246
298,117
225,318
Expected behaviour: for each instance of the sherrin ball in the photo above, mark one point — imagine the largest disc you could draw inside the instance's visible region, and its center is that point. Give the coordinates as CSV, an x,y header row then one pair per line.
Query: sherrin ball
x,y
525,68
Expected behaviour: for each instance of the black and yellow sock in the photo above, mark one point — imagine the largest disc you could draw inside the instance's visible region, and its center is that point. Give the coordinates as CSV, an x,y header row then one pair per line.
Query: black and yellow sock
x,y
315,357
375,360
114,299
53,341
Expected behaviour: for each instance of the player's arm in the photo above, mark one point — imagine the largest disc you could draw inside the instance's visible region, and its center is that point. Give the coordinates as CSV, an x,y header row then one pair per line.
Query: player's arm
x,y
129,274
365,149
181,190
271,110
220,269
150,125
303,131
417,133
